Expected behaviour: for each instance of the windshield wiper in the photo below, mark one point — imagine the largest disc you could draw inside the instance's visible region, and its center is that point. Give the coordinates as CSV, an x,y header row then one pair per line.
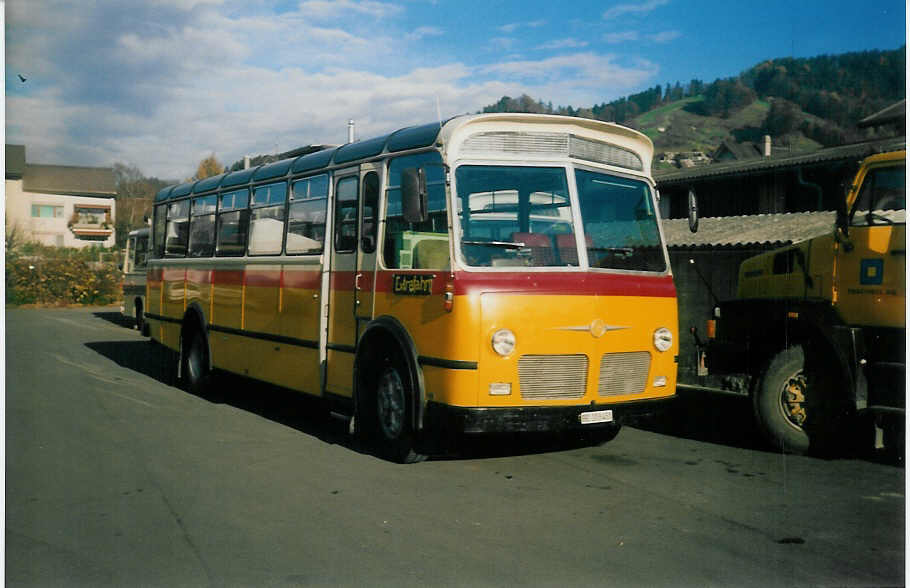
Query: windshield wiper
x,y
624,251
503,244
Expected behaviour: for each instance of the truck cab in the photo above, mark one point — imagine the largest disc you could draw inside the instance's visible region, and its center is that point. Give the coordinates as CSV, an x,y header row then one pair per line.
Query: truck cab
x,y
817,330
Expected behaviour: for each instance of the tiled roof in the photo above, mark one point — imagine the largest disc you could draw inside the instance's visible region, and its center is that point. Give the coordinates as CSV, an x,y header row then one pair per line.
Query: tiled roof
x,y
753,230
15,161
855,151
67,179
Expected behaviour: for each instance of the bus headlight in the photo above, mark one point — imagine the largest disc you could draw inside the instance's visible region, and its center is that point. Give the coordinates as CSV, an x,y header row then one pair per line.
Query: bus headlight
x,y
503,342
663,339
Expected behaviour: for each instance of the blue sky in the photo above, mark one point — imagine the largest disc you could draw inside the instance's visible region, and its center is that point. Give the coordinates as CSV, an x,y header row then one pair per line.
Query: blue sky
x,y
161,84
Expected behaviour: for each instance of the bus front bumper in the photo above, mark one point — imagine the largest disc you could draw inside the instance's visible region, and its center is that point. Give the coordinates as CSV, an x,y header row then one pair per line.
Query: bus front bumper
x,y
457,419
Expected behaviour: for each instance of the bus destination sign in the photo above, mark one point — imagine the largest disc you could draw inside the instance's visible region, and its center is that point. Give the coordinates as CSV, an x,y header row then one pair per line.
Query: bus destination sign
x,y
411,285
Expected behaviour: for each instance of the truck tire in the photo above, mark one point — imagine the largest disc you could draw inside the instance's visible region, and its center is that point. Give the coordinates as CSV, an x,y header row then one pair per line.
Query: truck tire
x,y
780,401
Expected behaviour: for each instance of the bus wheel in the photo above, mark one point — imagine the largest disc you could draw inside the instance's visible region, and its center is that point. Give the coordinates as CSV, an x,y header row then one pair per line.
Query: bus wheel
x,y
196,364
781,403
393,415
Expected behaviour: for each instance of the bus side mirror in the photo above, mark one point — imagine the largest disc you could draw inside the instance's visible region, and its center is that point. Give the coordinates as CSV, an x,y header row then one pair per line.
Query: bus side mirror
x,y
414,194
693,211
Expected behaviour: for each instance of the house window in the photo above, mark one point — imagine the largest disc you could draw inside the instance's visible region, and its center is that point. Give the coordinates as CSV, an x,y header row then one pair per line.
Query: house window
x,y
46,211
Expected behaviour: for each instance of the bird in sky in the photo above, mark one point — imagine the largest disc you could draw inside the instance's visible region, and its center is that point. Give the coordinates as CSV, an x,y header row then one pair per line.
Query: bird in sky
x,y
22,78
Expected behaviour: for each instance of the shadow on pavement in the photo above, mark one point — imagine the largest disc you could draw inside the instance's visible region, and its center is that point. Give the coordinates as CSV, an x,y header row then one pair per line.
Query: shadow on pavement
x,y
712,418
293,409
116,318
719,419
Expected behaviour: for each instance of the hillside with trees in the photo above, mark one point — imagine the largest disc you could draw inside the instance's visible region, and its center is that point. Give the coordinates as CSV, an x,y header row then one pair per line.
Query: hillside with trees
x,y
802,103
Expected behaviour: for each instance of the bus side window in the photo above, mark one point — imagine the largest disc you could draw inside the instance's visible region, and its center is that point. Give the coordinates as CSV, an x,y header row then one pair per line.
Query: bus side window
x,y
267,218
370,212
140,260
232,223
129,255
346,215
306,215
158,228
422,245
177,231
202,226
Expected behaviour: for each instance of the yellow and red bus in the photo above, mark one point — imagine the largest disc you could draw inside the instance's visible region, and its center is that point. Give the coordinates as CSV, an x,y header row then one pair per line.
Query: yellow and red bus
x,y
489,273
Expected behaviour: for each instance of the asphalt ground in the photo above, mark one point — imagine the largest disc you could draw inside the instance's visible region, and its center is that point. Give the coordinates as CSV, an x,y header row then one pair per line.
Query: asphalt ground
x,y
114,477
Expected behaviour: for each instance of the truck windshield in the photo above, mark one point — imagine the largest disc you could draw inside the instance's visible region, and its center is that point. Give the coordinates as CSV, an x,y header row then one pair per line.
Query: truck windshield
x,y
522,216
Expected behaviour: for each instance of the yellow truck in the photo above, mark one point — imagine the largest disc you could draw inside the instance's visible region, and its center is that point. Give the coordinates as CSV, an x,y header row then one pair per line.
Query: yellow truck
x,y
817,331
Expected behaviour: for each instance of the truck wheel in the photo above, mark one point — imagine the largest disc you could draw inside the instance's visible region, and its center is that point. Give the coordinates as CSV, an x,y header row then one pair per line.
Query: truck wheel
x,y
391,412
781,402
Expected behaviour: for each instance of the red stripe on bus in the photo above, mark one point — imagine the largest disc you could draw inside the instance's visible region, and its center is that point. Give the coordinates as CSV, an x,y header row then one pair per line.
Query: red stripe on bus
x,y
228,277
270,278
308,280
199,276
570,283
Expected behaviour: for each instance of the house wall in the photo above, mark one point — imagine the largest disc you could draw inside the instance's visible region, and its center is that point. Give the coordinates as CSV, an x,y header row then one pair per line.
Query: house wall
x,y
52,231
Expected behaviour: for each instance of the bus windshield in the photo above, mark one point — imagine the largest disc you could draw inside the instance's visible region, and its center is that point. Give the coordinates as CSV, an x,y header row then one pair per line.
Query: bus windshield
x,y
522,216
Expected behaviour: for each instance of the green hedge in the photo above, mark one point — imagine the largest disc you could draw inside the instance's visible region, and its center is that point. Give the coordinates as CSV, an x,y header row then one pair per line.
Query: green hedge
x,y
52,276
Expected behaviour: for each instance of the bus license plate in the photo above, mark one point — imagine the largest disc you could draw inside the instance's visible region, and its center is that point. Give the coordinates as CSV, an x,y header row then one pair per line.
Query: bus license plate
x,y
596,416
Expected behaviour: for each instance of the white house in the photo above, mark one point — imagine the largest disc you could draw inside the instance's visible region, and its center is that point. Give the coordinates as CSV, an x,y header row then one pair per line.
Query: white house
x,y
60,205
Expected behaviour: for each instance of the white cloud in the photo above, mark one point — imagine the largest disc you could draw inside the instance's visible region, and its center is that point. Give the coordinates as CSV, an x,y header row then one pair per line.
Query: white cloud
x,y
514,26
621,37
578,78
162,86
333,9
423,32
665,36
564,44
633,8
629,36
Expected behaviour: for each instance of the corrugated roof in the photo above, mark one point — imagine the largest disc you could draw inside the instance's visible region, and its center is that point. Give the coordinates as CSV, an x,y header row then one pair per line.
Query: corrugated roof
x,y
67,179
742,168
753,230
893,113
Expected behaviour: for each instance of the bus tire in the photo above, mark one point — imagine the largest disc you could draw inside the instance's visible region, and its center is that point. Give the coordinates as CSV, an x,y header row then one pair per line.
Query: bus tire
x,y
195,368
391,410
140,318
780,401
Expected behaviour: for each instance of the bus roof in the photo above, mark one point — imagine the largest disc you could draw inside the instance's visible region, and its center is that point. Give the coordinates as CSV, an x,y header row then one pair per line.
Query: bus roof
x,y
404,139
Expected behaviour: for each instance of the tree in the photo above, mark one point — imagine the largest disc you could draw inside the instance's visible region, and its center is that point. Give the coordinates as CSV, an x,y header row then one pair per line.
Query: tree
x,y
782,118
208,167
135,194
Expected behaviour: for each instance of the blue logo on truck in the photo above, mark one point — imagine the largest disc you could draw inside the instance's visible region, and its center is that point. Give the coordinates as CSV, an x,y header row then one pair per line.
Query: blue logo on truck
x,y
871,271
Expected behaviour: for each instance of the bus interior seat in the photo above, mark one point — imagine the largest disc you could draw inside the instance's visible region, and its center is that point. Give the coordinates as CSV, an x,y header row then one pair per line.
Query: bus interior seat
x,y
540,246
431,254
568,252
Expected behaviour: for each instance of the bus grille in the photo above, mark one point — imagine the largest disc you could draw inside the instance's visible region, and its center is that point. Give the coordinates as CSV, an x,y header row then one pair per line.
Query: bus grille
x,y
517,142
552,376
623,373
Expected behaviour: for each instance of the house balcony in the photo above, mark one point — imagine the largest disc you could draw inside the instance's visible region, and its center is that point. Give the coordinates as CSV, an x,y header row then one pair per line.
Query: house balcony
x,y
92,231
